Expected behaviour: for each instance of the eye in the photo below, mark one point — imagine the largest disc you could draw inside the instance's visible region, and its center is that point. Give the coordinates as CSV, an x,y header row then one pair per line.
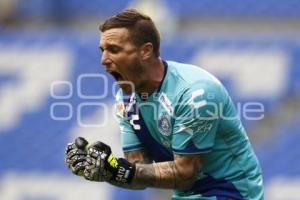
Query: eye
x,y
115,49
101,49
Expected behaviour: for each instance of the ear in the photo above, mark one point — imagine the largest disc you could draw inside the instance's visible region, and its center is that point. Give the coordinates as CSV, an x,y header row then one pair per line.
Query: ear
x,y
146,51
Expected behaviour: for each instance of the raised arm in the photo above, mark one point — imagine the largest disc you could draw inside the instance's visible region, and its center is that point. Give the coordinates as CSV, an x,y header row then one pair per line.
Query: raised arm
x,y
133,172
103,166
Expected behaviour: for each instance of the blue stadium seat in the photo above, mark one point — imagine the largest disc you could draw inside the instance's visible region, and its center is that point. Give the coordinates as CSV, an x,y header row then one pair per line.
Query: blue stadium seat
x,y
280,155
289,9
234,9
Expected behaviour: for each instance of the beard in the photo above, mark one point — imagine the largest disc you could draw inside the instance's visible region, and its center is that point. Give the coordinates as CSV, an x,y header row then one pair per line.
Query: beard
x,y
132,80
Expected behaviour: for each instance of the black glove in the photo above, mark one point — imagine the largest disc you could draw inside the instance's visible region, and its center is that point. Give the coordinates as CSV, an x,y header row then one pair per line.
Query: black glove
x,y
101,165
75,156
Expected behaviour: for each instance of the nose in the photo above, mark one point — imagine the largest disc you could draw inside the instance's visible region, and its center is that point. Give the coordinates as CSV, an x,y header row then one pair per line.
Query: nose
x,y
105,60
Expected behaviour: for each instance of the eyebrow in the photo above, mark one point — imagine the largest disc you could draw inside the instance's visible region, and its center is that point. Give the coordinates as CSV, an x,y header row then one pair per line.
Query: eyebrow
x,y
110,45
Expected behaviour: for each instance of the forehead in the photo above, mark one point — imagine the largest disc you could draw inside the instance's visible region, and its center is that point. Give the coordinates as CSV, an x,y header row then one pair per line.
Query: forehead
x,y
115,35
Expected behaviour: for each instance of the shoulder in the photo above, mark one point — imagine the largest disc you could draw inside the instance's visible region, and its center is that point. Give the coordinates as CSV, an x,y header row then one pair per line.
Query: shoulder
x,y
184,69
194,81
190,75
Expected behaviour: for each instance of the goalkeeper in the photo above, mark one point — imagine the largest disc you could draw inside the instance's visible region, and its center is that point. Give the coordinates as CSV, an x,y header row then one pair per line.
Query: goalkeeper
x,y
179,127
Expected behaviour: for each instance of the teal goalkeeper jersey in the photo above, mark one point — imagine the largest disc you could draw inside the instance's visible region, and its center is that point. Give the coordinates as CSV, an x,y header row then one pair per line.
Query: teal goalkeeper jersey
x,y
192,113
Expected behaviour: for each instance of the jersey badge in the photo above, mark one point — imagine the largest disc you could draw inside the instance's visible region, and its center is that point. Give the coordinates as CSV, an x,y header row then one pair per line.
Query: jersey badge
x,y
164,124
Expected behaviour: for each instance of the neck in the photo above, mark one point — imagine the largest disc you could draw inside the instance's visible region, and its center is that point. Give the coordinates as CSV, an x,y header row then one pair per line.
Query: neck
x,y
153,77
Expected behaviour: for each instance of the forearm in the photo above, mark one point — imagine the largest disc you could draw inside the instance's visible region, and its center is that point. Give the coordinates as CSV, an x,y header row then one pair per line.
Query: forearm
x,y
133,173
164,175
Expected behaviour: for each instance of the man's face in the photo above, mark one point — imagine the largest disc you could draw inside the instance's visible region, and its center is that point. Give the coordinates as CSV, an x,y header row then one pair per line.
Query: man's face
x,y
121,57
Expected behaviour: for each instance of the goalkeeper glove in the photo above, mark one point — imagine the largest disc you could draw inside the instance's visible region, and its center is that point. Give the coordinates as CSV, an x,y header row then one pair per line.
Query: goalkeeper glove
x,y
75,156
101,165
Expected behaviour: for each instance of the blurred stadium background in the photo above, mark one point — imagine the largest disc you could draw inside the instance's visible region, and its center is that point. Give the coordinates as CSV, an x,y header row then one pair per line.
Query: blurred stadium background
x,y
52,87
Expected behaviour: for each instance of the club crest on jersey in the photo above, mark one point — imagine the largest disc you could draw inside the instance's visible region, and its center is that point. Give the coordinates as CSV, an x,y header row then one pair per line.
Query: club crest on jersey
x,y
164,124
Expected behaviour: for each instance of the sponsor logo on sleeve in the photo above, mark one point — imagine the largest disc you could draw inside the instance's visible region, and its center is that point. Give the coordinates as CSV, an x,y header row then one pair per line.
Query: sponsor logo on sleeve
x,y
120,107
166,103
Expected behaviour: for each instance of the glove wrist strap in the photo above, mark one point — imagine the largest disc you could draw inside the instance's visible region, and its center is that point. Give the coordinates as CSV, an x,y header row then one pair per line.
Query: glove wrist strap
x,y
125,171
122,170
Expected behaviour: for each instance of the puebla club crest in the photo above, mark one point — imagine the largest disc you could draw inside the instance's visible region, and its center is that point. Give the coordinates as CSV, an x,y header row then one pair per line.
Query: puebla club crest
x,y
164,124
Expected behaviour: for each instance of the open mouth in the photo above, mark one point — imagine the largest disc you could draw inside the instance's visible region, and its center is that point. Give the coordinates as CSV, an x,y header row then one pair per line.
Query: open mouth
x,y
117,76
126,86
